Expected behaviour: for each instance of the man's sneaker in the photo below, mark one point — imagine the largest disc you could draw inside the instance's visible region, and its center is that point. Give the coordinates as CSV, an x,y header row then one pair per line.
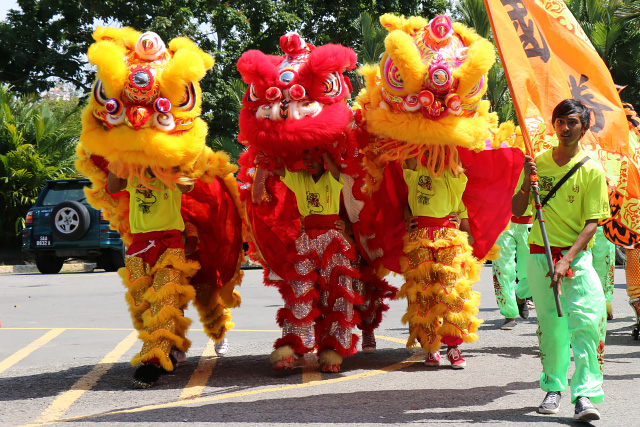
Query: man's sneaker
x,y
368,343
222,347
585,411
551,403
433,359
523,309
454,356
529,303
509,324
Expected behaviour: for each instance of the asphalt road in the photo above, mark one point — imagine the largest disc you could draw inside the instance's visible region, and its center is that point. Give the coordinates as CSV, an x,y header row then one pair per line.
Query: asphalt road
x,y
66,341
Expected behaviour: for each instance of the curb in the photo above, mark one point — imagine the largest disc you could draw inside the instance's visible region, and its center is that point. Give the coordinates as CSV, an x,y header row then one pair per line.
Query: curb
x,y
84,268
66,268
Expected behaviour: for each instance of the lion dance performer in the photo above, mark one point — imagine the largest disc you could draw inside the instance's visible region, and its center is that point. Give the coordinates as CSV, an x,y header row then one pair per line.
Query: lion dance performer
x,y
294,114
434,147
142,132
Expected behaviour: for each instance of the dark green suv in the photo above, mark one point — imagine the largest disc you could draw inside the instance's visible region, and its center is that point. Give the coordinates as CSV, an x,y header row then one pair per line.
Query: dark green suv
x,y
62,225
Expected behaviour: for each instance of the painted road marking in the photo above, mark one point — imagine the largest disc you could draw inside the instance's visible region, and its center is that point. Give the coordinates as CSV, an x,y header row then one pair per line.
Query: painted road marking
x,y
63,402
396,366
21,354
191,392
201,375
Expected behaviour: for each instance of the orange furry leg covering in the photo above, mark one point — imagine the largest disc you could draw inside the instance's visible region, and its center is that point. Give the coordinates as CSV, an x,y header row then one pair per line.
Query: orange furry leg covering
x,y
159,304
440,272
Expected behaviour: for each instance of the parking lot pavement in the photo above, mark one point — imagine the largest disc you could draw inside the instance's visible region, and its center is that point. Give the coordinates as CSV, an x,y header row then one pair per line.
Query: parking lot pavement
x,y
66,341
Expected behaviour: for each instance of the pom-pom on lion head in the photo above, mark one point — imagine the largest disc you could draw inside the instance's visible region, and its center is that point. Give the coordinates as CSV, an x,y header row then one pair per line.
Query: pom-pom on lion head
x,y
427,89
145,107
297,101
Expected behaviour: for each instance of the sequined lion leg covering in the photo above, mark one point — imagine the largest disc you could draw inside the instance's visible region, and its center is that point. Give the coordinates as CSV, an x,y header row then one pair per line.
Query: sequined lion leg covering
x,y
157,297
439,271
334,328
300,311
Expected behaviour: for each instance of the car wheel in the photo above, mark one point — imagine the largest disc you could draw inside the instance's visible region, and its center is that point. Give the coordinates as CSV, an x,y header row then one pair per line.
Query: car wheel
x,y
48,263
70,220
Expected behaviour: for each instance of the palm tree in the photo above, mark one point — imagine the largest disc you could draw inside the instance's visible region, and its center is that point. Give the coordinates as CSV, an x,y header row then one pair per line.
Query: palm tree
x,y
34,147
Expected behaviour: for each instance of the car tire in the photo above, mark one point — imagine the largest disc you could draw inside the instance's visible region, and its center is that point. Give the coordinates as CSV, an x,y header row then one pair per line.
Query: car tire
x,y
114,260
69,220
48,263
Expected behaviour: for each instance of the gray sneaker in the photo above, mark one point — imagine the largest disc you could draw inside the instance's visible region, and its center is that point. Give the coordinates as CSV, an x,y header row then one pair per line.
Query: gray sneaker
x,y
509,324
222,347
585,411
551,403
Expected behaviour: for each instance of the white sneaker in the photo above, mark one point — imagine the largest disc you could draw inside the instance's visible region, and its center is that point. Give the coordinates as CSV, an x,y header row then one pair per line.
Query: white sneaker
x,y
222,347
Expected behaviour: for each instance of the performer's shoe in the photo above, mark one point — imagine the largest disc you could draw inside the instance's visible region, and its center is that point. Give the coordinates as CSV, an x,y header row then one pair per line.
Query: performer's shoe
x,y
222,347
455,358
509,324
330,361
433,359
529,303
146,376
551,403
523,309
368,343
177,357
585,411
283,358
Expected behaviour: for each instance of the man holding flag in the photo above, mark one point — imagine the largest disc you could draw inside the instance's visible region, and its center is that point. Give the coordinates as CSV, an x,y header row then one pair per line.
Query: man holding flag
x,y
571,215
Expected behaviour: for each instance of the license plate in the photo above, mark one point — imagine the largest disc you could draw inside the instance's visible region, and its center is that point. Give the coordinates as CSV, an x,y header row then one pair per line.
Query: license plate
x,y
43,241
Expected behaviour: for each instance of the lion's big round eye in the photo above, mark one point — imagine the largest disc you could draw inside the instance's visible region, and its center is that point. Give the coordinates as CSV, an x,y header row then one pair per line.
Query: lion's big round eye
x,y
287,76
392,75
332,86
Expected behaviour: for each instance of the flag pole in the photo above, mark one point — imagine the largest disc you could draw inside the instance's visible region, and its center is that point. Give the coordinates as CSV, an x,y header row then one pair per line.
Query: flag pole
x,y
533,177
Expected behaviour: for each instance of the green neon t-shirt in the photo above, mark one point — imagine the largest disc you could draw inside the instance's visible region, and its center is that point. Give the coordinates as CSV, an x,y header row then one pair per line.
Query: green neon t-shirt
x,y
435,197
582,197
154,210
315,198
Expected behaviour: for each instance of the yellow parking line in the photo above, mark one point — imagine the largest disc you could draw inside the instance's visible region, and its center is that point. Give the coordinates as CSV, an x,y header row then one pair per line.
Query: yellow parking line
x,y
21,354
88,381
412,359
201,375
310,371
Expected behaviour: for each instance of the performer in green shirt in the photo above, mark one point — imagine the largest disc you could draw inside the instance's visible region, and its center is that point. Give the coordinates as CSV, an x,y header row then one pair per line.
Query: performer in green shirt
x,y
571,218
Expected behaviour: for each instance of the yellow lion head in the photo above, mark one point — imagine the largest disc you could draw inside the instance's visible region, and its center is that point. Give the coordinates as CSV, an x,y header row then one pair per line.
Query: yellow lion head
x,y
427,89
146,102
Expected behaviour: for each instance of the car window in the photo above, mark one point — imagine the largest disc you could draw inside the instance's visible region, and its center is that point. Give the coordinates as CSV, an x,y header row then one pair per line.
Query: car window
x,y
58,194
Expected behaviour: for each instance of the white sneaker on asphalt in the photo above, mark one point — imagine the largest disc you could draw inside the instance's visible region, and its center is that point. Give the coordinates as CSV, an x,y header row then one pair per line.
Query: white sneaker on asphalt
x,y
222,347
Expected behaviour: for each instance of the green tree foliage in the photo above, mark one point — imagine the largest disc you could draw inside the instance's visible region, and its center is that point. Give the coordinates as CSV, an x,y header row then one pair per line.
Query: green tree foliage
x,y
48,38
34,146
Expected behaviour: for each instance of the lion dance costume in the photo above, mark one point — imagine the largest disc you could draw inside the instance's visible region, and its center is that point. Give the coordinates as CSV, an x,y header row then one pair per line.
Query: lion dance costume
x,y
423,101
143,120
296,103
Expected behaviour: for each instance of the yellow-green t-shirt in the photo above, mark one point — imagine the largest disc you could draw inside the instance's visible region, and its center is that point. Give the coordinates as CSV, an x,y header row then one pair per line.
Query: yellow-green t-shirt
x,y
435,197
319,198
154,210
582,197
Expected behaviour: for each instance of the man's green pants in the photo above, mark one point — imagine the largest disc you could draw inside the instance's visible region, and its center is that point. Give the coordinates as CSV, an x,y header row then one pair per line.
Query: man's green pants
x,y
604,260
581,329
511,265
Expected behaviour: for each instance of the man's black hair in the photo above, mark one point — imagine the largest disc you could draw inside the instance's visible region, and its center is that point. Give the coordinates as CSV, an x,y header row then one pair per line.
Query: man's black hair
x,y
570,106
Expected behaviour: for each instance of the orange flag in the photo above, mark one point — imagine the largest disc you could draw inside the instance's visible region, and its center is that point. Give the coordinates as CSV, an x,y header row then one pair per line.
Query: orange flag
x,y
547,58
